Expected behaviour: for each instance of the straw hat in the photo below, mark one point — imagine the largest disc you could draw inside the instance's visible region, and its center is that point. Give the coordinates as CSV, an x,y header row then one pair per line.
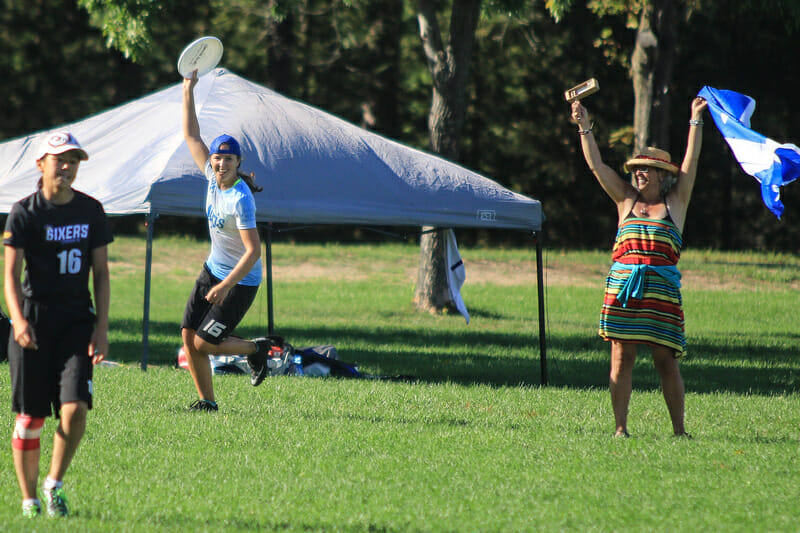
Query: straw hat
x,y
652,157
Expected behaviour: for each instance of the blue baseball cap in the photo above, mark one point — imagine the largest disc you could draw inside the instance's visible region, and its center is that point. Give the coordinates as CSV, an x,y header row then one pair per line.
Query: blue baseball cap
x,y
233,146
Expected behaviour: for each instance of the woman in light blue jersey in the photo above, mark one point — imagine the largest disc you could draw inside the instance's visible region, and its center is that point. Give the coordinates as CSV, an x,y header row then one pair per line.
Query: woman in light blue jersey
x,y
227,285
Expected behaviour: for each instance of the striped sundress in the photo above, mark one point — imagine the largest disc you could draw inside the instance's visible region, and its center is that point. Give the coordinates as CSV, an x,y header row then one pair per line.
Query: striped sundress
x,y
655,315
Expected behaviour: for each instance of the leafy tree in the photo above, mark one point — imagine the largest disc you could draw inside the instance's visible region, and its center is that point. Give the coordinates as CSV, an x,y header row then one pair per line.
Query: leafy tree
x,y
50,53
651,62
517,129
364,60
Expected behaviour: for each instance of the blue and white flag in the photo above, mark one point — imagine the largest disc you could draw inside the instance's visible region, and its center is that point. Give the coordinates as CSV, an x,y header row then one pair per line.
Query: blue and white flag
x,y
456,274
769,162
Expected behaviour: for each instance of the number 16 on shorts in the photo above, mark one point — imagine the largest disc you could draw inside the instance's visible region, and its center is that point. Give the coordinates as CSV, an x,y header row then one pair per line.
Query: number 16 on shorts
x,y
215,329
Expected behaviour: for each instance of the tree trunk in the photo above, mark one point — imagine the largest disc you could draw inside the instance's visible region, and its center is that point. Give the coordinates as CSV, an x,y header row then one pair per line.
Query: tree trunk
x,y
432,293
651,71
449,68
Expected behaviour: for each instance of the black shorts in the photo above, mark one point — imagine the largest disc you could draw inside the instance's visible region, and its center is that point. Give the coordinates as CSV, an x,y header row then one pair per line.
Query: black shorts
x,y
60,371
213,322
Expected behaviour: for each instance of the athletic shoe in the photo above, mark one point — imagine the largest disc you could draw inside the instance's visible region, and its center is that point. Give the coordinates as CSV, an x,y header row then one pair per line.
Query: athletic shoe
x,y
257,361
204,405
31,509
56,502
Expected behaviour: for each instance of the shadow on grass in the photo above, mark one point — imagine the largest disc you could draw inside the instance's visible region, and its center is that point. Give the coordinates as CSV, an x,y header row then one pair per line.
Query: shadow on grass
x,y
747,369
576,361
164,342
759,265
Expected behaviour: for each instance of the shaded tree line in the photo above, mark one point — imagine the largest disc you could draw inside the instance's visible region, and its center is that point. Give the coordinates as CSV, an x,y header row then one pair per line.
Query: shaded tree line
x,y
363,62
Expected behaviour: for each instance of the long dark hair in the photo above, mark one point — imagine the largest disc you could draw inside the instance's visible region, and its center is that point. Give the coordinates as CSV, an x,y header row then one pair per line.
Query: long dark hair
x,y
250,180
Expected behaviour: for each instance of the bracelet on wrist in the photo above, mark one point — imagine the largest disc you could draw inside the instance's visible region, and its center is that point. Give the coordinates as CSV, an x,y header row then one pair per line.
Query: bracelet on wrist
x,y
694,122
587,130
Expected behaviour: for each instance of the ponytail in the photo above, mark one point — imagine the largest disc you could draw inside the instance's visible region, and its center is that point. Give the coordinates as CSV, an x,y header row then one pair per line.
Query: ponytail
x,y
250,180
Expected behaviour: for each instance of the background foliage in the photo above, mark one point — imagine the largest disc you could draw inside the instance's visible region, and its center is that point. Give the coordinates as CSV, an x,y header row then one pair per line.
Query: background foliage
x,y
362,60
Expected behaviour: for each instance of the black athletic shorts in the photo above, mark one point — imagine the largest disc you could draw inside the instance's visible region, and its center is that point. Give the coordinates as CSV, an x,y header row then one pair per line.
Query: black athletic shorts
x,y
60,371
215,322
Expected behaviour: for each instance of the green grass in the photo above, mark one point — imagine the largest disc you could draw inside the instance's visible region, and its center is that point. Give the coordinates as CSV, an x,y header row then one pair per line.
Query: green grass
x,y
475,444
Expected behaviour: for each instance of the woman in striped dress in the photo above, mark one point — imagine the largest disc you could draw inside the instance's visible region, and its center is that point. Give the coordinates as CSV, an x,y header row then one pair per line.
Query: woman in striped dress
x,y
642,303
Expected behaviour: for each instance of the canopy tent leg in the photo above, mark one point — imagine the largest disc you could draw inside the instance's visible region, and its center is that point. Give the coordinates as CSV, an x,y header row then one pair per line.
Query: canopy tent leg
x,y
148,262
268,261
542,330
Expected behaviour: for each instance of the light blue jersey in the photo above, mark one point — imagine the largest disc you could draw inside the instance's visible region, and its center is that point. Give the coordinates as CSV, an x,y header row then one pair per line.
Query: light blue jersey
x,y
227,212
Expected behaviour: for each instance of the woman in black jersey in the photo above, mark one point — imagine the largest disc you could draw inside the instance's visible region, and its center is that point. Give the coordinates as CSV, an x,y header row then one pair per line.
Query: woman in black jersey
x,y
60,235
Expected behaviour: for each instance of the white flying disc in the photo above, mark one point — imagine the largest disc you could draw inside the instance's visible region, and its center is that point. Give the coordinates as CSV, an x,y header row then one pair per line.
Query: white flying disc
x,y
203,54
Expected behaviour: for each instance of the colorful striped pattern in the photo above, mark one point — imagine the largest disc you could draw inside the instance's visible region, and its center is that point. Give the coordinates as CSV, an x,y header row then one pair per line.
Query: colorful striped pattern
x,y
656,318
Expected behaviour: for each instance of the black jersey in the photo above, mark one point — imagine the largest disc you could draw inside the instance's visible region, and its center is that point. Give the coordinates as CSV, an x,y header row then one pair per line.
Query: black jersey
x,y
57,241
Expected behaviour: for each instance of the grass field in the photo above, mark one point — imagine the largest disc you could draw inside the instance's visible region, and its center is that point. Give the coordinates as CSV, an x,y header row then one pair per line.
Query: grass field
x,y
475,443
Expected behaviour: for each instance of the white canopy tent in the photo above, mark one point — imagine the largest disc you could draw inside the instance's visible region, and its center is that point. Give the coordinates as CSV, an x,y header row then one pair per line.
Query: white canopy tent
x,y
315,169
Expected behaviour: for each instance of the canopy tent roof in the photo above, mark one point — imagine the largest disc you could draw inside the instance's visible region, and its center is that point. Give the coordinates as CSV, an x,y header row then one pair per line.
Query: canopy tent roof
x,y
314,167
